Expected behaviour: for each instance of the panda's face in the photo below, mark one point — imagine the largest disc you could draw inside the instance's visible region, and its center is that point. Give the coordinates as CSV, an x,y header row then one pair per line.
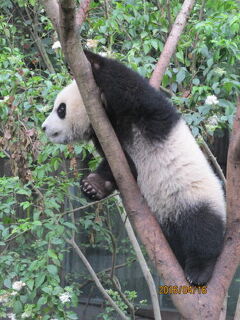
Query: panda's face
x,y
68,121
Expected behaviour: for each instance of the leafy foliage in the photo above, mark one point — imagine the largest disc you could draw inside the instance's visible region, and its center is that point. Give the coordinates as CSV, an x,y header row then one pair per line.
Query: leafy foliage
x,y
37,198
207,58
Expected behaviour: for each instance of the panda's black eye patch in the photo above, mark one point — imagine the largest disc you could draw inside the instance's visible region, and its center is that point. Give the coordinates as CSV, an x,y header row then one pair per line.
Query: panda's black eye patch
x,y
61,110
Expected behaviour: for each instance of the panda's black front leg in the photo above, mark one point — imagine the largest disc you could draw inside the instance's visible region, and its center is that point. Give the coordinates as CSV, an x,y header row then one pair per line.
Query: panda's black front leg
x,y
100,183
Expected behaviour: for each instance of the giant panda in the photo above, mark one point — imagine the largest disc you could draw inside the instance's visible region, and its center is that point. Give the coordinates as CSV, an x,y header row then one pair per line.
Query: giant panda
x,y
171,171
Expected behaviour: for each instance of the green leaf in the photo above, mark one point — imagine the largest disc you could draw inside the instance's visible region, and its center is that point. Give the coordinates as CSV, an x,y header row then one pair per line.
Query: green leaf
x,y
25,204
48,290
143,34
204,109
56,241
154,43
39,280
210,62
30,284
7,282
181,76
24,192
146,48
52,269
42,301
72,315
196,81
70,225
57,291
24,298
195,131
52,254
180,56
17,307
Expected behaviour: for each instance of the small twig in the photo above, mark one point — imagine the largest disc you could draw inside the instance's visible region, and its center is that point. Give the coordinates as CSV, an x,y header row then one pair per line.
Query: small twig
x,y
169,14
95,278
114,245
73,220
142,262
106,8
16,236
89,204
211,157
124,298
107,270
167,91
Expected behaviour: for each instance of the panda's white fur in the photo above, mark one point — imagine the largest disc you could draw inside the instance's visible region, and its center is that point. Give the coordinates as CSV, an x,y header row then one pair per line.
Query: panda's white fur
x,y
75,126
175,174
171,170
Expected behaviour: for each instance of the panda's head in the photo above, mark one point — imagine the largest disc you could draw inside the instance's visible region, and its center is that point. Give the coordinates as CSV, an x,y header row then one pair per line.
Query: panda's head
x,y
68,121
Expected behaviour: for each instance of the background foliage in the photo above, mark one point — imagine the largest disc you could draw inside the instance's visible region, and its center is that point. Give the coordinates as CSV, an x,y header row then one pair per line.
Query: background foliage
x,y
37,194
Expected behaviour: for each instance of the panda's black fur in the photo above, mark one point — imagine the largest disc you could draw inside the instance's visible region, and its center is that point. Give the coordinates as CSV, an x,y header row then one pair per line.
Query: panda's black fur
x,y
173,175
131,100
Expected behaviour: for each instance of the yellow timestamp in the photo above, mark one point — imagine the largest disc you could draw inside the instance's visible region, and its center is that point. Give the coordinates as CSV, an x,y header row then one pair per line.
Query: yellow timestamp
x,y
182,290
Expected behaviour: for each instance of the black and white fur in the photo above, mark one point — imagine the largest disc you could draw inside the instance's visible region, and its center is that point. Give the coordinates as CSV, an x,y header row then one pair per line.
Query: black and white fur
x,y
171,171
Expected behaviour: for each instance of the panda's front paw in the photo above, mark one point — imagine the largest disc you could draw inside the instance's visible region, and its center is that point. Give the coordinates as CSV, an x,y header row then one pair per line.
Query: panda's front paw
x,y
95,187
88,189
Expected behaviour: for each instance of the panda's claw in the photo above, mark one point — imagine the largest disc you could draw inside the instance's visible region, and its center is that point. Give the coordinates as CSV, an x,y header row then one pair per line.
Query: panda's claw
x,y
95,187
89,190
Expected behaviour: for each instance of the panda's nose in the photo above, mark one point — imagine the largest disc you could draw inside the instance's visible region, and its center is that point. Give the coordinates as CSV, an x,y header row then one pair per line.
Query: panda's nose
x,y
44,128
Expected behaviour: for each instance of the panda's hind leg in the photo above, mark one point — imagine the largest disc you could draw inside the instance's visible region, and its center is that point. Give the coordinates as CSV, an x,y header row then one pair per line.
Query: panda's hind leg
x,y
202,239
196,238
198,271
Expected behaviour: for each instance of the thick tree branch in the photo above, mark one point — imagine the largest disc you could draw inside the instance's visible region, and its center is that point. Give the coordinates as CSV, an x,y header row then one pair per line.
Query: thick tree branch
x,y
171,43
233,172
82,12
230,257
52,10
236,148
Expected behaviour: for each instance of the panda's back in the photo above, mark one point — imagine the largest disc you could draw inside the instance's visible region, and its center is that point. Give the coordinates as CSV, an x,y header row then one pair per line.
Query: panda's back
x,y
174,175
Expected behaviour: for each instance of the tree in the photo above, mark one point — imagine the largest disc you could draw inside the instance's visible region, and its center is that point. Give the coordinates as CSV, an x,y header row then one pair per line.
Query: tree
x,y
209,306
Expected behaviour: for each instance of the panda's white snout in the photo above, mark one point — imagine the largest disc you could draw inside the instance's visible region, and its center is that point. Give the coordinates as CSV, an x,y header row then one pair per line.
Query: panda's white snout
x,y
49,133
51,128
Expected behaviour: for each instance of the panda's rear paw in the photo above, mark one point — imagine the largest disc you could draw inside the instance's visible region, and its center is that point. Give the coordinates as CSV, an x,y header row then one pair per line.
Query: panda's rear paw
x,y
95,187
198,272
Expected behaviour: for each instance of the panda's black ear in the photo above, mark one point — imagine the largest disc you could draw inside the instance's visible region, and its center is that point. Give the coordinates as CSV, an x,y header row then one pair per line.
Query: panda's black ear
x,y
95,59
